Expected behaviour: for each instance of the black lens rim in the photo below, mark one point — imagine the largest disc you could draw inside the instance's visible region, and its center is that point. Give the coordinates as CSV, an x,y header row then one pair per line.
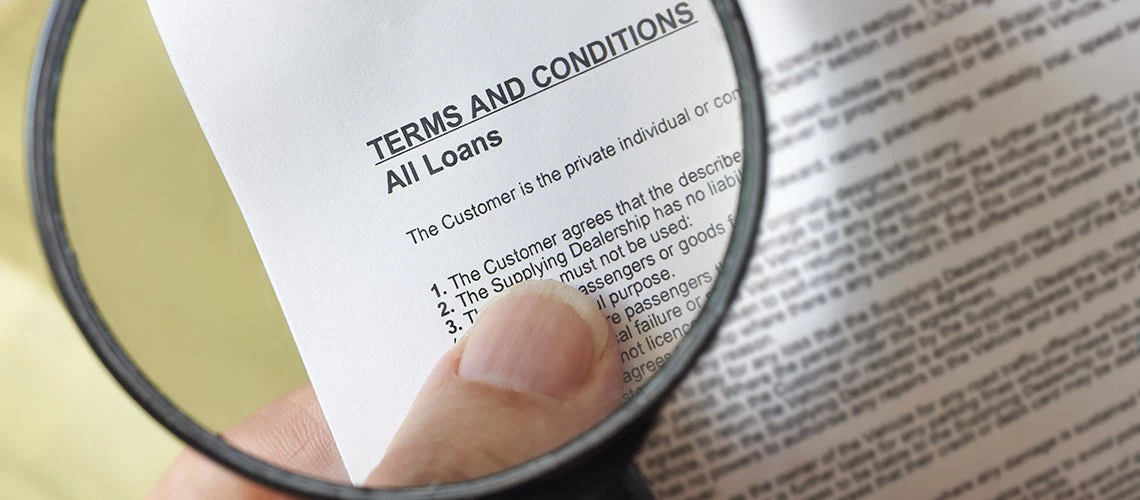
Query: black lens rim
x,y
551,472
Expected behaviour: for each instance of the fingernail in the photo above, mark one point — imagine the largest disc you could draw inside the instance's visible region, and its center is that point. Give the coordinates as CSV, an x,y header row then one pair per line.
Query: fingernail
x,y
542,337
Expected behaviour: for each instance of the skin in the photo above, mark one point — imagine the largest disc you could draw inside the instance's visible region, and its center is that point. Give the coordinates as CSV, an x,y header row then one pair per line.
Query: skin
x,y
539,367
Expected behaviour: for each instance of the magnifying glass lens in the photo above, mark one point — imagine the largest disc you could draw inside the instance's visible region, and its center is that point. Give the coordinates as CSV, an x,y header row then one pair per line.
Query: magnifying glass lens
x,y
320,203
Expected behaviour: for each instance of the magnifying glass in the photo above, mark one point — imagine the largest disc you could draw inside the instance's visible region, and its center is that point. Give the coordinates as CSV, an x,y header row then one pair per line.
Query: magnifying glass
x,y
635,141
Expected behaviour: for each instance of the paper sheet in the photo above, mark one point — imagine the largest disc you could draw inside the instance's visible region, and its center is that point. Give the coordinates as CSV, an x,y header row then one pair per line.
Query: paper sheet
x,y
944,303
399,163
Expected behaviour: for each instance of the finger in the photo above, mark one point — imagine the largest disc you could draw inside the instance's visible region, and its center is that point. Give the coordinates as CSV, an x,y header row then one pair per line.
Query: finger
x,y
539,367
289,432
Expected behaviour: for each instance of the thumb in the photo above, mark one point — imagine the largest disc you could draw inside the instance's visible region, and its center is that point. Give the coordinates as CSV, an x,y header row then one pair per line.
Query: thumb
x,y
539,367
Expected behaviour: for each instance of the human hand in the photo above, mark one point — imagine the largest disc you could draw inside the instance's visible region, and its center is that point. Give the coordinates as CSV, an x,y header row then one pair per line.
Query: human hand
x,y
539,367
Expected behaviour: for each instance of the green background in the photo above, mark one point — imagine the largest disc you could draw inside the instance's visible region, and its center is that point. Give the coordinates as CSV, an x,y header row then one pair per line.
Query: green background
x,y
166,253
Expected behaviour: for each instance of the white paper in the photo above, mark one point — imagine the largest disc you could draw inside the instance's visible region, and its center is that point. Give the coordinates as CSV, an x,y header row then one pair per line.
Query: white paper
x,y
305,104
867,356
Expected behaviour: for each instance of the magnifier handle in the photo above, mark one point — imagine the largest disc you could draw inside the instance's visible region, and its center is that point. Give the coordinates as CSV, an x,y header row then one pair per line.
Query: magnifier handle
x,y
632,485
628,485
610,474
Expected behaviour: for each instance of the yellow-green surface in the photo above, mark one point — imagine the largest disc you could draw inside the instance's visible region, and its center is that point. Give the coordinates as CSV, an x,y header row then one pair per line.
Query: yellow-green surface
x,y
168,257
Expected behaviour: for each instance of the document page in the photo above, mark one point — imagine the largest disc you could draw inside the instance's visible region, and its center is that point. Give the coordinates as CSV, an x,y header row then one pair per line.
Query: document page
x,y
400,163
943,303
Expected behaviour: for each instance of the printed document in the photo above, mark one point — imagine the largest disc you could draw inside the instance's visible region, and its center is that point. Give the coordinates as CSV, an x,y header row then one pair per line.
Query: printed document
x,y
400,163
944,301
